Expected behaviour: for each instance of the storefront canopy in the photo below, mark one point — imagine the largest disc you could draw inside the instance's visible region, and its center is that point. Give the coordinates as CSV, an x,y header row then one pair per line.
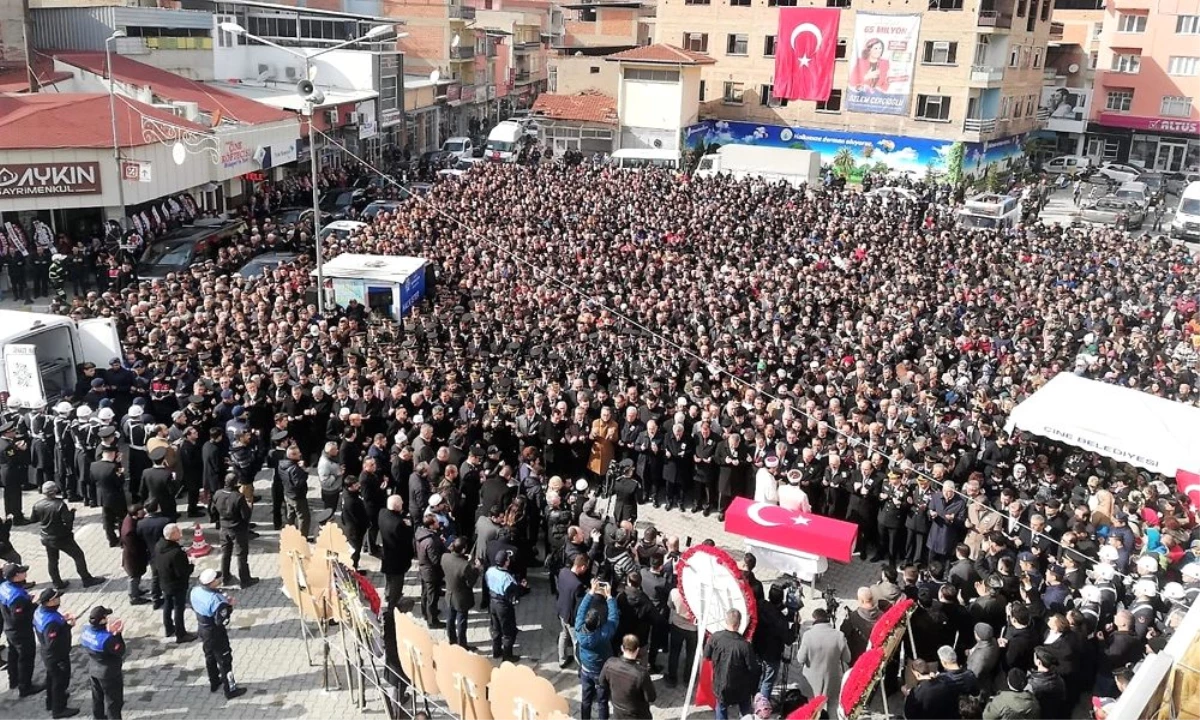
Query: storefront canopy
x,y
1124,424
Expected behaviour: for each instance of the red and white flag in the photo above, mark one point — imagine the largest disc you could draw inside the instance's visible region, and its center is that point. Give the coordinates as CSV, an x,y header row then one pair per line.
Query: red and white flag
x,y
1189,484
804,532
805,52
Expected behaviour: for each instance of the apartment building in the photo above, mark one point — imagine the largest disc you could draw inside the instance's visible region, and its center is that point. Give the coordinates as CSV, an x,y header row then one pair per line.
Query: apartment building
x,y
590,31
1071,56
977,74
526,28
1147,88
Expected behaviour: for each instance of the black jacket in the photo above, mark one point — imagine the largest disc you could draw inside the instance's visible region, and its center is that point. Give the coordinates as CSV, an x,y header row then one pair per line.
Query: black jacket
x,y
630,689
161,488
494,491
54,518
736,667
1018,652
212,457
396,536
354,516
571,589
233,510
110,486
429,552
294,479
173,566
461,576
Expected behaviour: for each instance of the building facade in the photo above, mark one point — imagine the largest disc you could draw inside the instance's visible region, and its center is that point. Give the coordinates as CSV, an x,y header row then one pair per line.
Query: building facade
x,y
1067,94
1147,88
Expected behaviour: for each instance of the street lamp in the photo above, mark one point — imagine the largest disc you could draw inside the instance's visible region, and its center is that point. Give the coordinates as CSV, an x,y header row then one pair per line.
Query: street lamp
x,y
310,108
112,111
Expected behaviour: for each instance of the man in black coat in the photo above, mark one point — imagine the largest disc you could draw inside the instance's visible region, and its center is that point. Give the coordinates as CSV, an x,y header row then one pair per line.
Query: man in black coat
x,y
430,547
736,668
174,569
354,517
419,491
108,477
373,490
495,490
191,469
160,484
1019,640
573,583
213,460
149,531
235,513
625,494
57,522
461,575
396,537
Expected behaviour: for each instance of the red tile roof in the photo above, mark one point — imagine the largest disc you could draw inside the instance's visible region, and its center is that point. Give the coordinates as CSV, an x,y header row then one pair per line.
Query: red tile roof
x,y
53,120
170,86
16,79
661,53
585,107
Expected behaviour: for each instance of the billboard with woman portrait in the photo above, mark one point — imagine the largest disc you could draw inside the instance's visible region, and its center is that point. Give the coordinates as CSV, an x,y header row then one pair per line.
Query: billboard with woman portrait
x,y
881,70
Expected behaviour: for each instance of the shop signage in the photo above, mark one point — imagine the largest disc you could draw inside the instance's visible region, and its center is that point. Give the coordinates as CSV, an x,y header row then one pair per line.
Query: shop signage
x,y
49,179
1137,122
283,154
235,153
135,171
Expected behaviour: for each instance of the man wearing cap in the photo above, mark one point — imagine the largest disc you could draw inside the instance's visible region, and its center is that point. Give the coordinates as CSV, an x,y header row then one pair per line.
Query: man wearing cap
x,y
53,630
14,469
135,429
105,646
213,610
503,590
57,534
158,483
16,607
295,490
766,486
109,478
84,440
234,512
64,449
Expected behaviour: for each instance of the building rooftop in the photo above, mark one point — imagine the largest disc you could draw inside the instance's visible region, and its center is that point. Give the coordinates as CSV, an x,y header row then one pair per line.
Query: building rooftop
x,y
661,53
16,79
584,107
54,120
213,101
286,98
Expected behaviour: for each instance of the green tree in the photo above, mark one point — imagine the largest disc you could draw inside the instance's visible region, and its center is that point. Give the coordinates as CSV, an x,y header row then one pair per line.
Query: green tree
x,y
843,162
992,180
954,162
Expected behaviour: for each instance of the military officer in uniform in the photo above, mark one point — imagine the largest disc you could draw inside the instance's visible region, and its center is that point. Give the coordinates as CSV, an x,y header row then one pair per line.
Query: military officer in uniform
x,y
17,609
213,609
64,449
84,439
105,646
159,485
134,428
14,470
57,523
53,630
234,512
108,477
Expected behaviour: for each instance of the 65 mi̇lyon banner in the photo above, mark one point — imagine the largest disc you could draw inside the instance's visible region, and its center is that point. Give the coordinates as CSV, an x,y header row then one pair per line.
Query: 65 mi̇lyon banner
x,y
885,51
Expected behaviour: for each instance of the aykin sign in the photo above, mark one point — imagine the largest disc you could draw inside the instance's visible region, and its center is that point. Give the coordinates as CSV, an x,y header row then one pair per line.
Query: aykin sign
x,y
49,179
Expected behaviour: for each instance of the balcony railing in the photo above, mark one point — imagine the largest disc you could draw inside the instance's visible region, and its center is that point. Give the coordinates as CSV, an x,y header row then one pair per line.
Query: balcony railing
x,y
522,76
1056,30
1043,114
462,12
462,52
994,19
986,73
980,125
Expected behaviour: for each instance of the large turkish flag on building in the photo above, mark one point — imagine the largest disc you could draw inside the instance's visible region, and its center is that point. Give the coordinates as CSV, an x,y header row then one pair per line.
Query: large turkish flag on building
x,y
803,532
805,52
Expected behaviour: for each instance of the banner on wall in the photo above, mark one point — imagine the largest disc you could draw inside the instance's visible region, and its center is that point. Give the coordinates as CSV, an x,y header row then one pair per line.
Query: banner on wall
x,y
1067,108
885,52
805,53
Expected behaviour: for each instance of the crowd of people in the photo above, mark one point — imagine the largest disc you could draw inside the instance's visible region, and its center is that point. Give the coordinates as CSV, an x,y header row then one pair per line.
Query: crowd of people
x,y
595,340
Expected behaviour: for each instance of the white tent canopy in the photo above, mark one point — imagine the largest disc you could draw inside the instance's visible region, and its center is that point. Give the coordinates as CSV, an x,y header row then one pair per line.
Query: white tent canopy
x,y
1121,423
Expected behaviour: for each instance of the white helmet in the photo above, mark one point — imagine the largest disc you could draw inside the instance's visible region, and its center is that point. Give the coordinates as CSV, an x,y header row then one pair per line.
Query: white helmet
x,y
1173,591
1191,570
1108,554
83,412
1147,565
63,408
1104,572
1145,588
1090,593
105,414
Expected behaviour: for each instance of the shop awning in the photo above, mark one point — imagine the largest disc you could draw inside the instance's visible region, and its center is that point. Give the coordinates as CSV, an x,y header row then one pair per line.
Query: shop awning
x,y
1143,430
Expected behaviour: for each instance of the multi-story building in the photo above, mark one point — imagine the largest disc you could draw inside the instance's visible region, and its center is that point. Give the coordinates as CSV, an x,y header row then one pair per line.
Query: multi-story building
x,y
1071,56
977,69
1147,105
526,28
591,30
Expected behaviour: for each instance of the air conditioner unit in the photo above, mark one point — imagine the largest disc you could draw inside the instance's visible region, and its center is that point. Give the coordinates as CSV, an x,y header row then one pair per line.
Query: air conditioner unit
x,y
331,117
189,110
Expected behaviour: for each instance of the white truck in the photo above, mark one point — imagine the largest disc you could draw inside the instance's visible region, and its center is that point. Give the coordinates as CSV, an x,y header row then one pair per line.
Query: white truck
x,y
42,354
795,167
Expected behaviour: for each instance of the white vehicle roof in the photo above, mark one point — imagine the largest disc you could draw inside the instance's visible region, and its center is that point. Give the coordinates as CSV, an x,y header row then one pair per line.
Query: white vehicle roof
x,y
506,132
346,225
457,140
18,322
646,154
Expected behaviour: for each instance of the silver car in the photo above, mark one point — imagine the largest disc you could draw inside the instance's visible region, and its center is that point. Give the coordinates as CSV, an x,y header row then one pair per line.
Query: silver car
x,y
1124,214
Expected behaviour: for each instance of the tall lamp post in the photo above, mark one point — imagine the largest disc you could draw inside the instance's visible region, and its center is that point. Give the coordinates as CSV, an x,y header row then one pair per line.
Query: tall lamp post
x,y
310,107
112,111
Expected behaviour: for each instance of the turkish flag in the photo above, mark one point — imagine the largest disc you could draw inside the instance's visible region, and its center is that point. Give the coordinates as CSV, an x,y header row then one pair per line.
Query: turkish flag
x,y
1189,484
805,52
804,532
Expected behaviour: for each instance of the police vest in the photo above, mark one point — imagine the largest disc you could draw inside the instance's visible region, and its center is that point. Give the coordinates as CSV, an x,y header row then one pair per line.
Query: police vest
x,y
10,594
207,604
43,618
93,638
137,436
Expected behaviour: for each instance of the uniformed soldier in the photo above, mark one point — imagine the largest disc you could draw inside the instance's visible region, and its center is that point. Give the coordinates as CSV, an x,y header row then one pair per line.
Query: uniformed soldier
x,y
107,476
53,630
105,646
134,429
234,512
17,609
503,592
213,609
14,469
1145,615
41,435
57,276
64,449
84,439
1191,582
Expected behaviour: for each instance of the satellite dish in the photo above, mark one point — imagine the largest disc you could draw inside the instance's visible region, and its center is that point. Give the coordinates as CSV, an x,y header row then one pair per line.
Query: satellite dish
x,y
435,76
1073,68
455,41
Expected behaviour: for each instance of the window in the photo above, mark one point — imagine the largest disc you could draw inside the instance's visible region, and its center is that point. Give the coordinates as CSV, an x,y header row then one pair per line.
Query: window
x,y
737,44
1131,23
1126,63
594,70
695,42
766,97
703,87
1014,57
1093,59
1175,106
945,5
1005,106
1103,148
1021,8
1017,107
733,93
939,52
840,52
833,104
552,77
1183,65
1046,11
645,75
1037,57
739,3
837,3
224,39
1118,100
1097,28
781,3
1187,25
933,107
696,2
769,46
1030,105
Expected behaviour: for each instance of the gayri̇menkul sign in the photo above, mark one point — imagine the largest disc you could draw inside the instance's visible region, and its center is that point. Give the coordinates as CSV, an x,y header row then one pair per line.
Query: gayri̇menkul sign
x,y
49,179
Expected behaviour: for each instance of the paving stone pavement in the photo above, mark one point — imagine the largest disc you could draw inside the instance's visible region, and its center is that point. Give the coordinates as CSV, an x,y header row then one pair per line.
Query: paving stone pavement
x,y
166,681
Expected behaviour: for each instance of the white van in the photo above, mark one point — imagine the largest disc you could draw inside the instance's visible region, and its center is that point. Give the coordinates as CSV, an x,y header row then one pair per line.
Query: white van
x,y
1186,224
641,159
43,353
504,142
1067,164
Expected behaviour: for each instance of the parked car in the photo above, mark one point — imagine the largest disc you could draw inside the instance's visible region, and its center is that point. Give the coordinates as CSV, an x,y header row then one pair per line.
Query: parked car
x,y
182,248
1124,214
1067,164
889,194
1119,172
341,229
1138,192
295,215
371,211
339,201
1157,185
458,169
459,147
268,261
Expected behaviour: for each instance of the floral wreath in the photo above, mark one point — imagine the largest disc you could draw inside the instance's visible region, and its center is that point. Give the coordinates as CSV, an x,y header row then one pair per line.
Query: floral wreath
x,y
369,593
891,622
723,559
860,681
810,710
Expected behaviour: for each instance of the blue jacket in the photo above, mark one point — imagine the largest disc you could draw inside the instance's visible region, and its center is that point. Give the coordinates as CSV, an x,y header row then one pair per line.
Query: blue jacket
x,y
595,647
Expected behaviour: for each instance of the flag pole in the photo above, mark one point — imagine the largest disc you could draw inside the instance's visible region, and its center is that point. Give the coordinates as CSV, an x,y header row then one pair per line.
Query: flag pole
x,y
701,631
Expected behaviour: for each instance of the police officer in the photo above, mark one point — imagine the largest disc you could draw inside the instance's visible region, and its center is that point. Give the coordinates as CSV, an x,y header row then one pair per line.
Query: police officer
x,y
57,523
17,608
64,449
53,630
503,592
108,477
213,609
84,439
105,646
14,469
234,512
159,484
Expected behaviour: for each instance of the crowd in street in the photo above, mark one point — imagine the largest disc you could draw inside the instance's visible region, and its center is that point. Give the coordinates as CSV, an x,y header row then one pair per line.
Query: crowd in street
x,y
598,339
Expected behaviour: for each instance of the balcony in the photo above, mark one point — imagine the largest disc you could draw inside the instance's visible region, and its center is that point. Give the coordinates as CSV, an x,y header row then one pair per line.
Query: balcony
x,y
462,52
1056,31
980,125
987,75
1043,114
461,12
526,47
522,76
994,19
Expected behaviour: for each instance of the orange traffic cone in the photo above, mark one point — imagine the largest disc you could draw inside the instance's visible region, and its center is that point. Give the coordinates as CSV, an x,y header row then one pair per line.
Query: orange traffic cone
x,y
200,546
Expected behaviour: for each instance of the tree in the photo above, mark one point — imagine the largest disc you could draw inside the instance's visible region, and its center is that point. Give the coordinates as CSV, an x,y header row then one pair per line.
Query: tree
x,y
954,162
843,162
992,179
867,151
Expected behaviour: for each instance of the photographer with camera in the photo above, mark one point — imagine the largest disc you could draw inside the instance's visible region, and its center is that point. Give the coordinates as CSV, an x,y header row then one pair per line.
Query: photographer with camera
x,y
594,632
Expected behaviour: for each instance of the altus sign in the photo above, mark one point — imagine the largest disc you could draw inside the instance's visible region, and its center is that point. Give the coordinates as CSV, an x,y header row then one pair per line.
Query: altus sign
x,y
49,179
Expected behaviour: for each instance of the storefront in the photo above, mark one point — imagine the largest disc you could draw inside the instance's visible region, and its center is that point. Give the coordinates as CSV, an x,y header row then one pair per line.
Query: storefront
x,y
1160,144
